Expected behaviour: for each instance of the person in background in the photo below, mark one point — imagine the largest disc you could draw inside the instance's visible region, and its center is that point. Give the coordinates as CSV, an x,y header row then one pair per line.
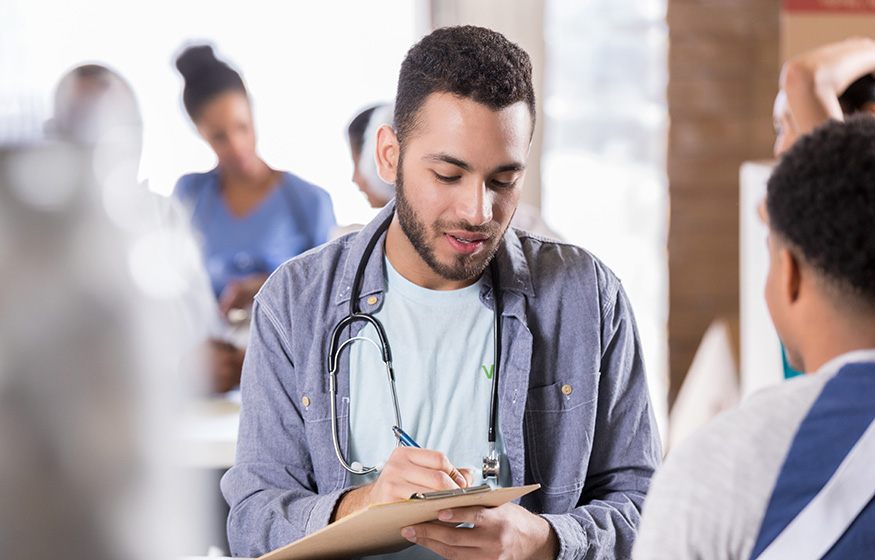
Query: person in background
x,y
362,136
746,485
251,218
96,108
828,82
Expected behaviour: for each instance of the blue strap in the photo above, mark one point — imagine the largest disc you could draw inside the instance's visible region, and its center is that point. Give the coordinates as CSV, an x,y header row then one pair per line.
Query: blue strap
x,y
836,420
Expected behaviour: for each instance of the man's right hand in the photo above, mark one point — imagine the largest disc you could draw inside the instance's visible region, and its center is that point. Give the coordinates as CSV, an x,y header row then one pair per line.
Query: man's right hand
x,y
409,470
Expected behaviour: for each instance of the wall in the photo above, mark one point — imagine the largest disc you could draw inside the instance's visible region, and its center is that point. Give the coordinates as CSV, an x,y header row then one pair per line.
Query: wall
x,y
723,73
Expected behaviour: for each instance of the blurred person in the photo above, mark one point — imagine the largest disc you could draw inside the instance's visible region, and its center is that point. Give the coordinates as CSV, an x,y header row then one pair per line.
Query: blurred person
x,y
362,136
89,391
828,82
96,108
250,217
749,484
512,352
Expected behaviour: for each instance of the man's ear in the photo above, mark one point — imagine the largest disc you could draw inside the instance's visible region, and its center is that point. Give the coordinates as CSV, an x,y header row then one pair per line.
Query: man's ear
x,y
791,275
388,151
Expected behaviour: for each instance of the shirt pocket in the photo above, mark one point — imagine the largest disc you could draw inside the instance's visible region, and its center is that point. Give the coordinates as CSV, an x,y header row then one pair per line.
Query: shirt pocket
x,y
558,428
316,411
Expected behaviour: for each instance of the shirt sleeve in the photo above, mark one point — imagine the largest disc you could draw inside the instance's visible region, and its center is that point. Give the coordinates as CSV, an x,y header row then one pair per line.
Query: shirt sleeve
x,y
270,489
626,448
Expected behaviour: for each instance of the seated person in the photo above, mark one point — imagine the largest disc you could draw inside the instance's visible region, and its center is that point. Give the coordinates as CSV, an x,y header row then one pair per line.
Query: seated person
x,y
250,217
94,104
736,488
531,369
828,82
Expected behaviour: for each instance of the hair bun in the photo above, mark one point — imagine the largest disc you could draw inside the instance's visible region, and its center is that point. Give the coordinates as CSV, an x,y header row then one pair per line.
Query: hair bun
x,y
195,60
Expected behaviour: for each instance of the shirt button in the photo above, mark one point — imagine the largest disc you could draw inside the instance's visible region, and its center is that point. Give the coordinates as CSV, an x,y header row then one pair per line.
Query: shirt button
x,y
306,401
566,389
372,300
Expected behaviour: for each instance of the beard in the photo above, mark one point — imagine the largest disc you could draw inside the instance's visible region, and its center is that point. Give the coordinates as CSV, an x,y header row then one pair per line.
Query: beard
x,y
422,237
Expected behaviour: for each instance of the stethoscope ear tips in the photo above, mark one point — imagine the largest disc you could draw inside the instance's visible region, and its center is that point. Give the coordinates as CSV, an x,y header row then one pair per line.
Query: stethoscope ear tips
x,y
356,466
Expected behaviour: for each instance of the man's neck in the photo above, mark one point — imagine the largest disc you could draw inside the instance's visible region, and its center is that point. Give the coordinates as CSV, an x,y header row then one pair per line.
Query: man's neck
x,y
835,338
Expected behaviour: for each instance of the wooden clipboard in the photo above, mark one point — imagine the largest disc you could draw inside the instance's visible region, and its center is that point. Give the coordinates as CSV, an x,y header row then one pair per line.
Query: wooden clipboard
x,y
377,529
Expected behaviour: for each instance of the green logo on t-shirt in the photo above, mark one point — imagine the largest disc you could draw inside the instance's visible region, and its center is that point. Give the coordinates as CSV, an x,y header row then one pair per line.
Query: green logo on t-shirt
x,y
488,372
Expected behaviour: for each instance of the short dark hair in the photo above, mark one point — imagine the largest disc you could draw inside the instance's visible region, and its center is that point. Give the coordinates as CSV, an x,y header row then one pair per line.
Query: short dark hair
x,y
468,61
205,77
357,127
821,199
857,95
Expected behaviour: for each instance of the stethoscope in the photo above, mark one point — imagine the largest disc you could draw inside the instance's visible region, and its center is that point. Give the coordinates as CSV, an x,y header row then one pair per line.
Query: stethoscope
x,y
491,460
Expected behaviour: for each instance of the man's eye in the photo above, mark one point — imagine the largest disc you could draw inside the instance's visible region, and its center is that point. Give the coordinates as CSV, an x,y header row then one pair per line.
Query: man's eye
x,y
445,179
503,184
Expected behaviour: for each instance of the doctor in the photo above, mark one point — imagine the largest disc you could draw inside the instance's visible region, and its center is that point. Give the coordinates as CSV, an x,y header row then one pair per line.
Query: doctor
x,y
571,401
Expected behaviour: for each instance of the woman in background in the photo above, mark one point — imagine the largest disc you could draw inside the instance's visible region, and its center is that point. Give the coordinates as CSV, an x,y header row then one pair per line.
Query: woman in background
x,y
251,217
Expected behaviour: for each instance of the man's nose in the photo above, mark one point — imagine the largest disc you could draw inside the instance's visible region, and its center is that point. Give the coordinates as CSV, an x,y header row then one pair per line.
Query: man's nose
x,y
475,202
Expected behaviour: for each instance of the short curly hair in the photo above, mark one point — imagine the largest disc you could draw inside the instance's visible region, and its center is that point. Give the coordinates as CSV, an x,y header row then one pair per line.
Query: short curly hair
x,y
468,61
821,199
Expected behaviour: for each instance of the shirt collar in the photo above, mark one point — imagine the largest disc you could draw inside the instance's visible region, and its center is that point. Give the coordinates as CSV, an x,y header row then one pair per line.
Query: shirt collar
x,y
834,365
513,270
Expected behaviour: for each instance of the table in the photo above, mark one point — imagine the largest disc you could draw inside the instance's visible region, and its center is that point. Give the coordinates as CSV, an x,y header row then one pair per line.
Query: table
x,y
209,432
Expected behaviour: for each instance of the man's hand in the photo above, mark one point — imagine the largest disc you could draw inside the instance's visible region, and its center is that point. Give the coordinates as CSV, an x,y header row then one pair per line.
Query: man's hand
x,y
224,363
409,470
505,532
238,294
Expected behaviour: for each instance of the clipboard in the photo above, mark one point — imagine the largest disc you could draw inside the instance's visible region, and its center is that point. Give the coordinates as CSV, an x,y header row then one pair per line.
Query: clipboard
x,y
377,528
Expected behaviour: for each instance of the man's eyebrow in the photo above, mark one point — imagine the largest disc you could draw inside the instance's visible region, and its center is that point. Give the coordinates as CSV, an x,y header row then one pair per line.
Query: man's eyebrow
x,y
446,158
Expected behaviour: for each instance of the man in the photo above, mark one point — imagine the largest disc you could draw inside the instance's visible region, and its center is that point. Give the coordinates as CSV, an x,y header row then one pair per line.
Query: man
x,y
573,408
96,108
736,485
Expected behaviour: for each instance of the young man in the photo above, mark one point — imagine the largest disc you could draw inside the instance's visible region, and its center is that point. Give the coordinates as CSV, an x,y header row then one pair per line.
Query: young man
x,y
573,411
733,490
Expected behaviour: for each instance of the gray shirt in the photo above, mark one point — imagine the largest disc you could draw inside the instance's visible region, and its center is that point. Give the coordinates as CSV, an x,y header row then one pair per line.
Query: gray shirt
x,y
709,499
574,407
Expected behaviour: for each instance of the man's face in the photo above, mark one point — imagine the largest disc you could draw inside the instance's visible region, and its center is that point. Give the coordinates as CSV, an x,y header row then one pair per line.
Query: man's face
x,y
458,181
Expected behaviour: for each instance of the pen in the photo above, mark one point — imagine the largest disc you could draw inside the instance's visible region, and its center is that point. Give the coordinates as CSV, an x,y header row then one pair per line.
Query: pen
x,y
405,439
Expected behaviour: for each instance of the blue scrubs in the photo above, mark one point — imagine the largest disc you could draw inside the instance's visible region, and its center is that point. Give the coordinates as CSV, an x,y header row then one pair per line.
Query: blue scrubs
x,y
294,217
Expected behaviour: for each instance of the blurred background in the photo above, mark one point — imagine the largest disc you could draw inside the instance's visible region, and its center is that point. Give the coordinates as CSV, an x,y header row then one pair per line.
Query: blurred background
x,y
648,110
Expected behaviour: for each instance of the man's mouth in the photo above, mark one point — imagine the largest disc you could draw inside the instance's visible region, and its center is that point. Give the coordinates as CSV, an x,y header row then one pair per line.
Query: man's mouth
x,y
466,243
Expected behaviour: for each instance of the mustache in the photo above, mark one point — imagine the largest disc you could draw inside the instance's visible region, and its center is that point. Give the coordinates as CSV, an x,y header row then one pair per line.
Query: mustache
x,y
465,226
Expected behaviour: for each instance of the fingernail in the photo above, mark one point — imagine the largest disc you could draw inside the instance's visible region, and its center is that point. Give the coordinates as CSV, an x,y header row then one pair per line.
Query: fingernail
x,y
408,534
445,515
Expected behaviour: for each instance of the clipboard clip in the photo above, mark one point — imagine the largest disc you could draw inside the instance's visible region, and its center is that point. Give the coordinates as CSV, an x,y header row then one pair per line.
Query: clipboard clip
x,y
447,493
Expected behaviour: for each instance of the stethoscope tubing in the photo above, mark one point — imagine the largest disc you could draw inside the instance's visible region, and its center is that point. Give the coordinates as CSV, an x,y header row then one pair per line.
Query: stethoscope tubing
x,y
335,348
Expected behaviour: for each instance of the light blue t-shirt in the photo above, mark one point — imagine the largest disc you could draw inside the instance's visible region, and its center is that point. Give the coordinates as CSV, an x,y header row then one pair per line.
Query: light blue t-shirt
x,y
442,352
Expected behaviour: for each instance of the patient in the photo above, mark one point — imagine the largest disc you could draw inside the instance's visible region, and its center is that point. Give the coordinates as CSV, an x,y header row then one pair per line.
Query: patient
x,y
732,490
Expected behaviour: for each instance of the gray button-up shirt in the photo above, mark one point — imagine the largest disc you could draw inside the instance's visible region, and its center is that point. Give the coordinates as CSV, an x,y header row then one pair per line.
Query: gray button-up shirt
x,y
574,409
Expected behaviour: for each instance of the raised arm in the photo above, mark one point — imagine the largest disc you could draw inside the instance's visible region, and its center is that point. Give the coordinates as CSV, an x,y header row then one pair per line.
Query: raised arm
x,y
814,79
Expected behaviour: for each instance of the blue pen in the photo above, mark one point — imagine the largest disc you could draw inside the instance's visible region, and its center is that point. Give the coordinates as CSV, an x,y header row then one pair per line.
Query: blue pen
x,y
405,439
